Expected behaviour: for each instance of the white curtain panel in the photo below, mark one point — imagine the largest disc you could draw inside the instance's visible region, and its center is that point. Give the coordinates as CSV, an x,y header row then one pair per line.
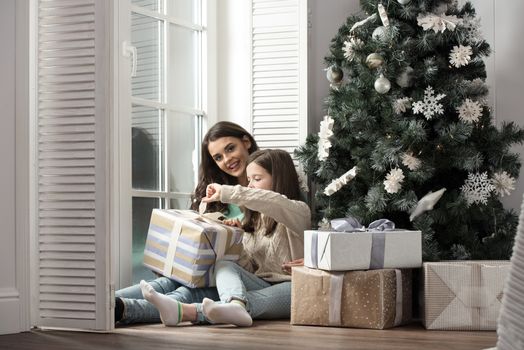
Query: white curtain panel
x,y
511,322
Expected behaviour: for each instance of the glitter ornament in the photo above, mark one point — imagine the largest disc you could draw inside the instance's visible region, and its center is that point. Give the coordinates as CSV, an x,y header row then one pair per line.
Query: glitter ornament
x,y
374,60
334,74
382,85
379,34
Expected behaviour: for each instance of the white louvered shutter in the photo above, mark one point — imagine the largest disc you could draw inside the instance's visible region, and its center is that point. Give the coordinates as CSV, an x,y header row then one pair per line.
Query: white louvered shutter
x,y
279,73
72,236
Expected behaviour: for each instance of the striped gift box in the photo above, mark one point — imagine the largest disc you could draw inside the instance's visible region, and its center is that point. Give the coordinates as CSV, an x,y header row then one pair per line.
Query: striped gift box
x,y
183,245
463,295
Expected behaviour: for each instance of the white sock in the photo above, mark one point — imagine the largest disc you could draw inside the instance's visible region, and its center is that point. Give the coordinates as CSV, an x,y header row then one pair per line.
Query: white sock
x,y
170,309
231,313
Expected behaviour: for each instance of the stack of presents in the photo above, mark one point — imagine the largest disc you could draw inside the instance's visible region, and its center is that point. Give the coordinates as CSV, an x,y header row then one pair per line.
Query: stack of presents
x,y
352,276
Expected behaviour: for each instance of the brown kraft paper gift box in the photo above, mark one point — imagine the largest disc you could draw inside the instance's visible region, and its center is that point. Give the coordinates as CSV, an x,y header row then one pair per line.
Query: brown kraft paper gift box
x,y
359,299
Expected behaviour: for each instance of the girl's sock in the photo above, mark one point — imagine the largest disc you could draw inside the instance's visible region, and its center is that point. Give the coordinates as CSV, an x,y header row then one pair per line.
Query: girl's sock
x,y
170,309
232,313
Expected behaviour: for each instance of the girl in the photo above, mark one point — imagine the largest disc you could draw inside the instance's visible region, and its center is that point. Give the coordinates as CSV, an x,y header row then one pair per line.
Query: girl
x,y
256,286
225,150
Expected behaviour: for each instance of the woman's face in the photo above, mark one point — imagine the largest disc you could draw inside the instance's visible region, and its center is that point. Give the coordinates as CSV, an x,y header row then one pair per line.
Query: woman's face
x,y
230,154
258,177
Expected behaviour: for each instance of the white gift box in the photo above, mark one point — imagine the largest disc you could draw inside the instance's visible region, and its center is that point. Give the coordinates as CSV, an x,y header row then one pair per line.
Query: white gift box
x,y
368,250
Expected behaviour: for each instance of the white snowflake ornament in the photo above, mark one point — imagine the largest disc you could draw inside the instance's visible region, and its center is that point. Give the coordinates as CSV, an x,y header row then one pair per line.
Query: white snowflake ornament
x,y
438,23
326,127
409,160
430,106
469,111
503,183
460,56
350,46
394,179
401,105
471,26
477,188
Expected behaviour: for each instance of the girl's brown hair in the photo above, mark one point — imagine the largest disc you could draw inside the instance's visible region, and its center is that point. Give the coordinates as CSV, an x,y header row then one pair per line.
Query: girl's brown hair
x,y
284,178
209,172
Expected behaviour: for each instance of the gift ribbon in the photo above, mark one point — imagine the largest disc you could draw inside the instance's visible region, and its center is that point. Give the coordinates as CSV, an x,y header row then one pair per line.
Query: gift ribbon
x,y
350,224
398,300
221,239
336,283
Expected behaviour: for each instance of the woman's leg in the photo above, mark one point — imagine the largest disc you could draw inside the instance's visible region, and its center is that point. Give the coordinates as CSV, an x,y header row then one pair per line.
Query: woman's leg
x,y
139,310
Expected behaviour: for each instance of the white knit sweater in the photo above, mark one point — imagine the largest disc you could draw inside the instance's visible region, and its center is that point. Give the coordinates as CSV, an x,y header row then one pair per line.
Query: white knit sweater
x,y
264,255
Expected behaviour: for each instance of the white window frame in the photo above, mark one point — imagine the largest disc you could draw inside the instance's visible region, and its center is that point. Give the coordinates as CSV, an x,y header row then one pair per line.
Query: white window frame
x,y
121,187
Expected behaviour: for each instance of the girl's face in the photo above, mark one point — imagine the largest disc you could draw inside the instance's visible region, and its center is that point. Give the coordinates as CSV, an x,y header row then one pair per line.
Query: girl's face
x,y
258,177
230,154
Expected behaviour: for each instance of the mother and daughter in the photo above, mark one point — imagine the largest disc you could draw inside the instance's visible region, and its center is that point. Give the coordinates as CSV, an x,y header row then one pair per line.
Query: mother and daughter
x,y
257,190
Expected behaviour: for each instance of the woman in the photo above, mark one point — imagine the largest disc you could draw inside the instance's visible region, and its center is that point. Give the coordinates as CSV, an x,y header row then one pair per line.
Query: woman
x,y
225,150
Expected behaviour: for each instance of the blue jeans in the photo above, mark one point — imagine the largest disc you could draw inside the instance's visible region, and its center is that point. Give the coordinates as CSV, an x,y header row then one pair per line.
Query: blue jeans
x,y
139,310
263,300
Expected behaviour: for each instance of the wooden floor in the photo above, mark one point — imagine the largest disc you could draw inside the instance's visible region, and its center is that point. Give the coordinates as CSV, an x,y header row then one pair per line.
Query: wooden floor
x,y
263,335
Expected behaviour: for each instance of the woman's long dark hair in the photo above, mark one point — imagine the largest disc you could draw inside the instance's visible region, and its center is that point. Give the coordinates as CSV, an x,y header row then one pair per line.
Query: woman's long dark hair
x,y
209,172
279,165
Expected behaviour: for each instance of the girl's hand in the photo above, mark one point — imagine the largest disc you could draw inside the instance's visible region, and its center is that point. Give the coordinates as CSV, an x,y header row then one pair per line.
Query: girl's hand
x,y
286,267
212,193
232,222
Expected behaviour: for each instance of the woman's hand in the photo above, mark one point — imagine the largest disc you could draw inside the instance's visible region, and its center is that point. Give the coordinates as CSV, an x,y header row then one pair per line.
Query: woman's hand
x,y
232,222
286,267
212,193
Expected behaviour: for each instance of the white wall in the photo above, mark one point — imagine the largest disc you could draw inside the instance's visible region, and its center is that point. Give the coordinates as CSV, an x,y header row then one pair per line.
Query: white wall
x,y
234,58
9,295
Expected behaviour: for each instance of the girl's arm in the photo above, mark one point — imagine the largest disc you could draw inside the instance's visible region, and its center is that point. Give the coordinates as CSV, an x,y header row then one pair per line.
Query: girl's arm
x,y
293,214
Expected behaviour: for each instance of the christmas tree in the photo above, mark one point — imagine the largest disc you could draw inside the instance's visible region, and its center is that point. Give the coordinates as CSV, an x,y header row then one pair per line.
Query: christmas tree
x,y
409,135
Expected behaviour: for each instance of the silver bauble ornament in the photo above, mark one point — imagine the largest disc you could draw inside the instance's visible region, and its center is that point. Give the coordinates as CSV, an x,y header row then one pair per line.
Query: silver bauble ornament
x,y
403,2
374,60
379,34
382,85
405,79
334,74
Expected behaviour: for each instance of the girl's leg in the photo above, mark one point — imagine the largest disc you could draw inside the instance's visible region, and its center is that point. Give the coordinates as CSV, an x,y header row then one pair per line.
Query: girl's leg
x,y
273,302
263,300
233,281
232,285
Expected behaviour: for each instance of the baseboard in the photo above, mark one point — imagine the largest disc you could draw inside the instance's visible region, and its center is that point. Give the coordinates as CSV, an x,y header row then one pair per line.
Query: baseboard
x,y
9,311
